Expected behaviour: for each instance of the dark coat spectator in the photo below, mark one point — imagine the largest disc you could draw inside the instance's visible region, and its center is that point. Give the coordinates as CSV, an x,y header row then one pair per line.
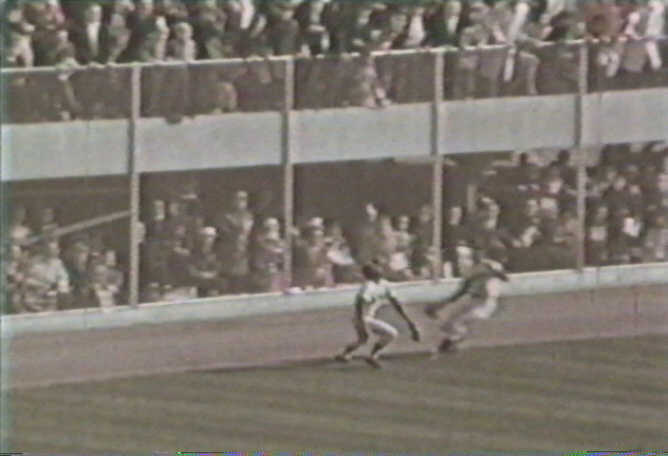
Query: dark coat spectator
x,y
267,258
205,268
234,228
312,267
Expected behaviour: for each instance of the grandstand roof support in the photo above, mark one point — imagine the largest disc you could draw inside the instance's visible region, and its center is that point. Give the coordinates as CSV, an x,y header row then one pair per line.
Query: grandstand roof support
x,y
134,178
437,157
581,159
287,164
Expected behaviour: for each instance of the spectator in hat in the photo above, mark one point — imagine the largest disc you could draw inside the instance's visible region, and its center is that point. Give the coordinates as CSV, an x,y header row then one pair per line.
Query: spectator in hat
x,y
205,267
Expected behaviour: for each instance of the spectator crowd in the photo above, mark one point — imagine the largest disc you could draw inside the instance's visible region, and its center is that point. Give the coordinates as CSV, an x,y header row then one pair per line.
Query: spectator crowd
x,y
523,211
76,34
46,271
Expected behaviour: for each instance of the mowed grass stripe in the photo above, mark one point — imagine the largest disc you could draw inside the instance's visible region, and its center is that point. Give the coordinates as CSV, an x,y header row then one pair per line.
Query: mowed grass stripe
x,y
414,406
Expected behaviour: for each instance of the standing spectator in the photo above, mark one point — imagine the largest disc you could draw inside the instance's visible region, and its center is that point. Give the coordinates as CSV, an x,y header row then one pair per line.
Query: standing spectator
x,y
101,293
205,267
118,32
177,82
311,16
114,276
268,251
174,11
345,269
47,222
454,234
89,36
643,23
235,229
46,279
60,53
282,30
400,261
597,238
209,23
19,232
77,260
445,26
365,235
14,263
154,253
312,267
48,18
18,42
604,23
424,237
656,241
180,248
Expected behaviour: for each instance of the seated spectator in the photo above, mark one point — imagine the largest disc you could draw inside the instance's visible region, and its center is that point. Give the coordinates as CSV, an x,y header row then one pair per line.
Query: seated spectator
x,y
656,241
46,279
205,267
268,251
234,228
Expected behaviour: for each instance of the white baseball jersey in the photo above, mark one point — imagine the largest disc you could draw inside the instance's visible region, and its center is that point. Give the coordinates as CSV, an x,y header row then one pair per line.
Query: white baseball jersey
x,y
372,296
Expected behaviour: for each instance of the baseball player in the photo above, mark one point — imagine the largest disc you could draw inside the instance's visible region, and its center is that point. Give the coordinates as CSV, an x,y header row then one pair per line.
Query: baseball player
x,y
482,285
372,295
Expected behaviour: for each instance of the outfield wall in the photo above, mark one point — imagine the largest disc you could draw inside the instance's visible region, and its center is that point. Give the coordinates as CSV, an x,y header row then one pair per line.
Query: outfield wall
x,y
225,308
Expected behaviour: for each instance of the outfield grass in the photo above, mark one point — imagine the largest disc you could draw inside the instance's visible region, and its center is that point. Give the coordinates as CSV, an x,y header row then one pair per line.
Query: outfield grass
x,y
601,394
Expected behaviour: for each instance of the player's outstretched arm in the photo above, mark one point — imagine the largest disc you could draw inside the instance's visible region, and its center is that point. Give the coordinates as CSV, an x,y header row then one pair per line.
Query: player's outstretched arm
x,y
463,288
415,332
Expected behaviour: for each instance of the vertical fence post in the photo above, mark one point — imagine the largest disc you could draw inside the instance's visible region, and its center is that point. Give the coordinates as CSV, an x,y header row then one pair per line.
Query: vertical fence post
x,y
437,161
287,166
135,106
583,73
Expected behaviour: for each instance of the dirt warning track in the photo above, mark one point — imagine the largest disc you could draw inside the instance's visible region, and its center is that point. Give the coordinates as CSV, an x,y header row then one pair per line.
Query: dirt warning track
x,y
54,358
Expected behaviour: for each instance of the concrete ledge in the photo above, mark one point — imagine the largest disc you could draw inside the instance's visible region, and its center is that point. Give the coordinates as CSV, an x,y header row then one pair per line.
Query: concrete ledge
x,y
265,304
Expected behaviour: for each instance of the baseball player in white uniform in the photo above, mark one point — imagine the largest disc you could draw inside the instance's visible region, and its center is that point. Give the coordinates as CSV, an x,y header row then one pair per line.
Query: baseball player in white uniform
x,y
372,295
482,286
